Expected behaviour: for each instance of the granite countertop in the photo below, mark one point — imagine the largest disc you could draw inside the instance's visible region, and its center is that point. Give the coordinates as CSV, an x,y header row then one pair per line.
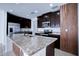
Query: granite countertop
x,y
31,45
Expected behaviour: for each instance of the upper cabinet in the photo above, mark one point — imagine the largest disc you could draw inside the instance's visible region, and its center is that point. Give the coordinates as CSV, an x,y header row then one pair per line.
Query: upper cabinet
x,y
24,23
51,19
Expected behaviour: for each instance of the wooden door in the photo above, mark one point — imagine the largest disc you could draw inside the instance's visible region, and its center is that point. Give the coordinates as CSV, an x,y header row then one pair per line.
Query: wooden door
x,y
69,30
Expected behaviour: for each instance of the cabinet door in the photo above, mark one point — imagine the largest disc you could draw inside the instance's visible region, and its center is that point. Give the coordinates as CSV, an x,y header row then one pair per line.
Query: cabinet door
x,y
16,50
63,22
68,15
51,17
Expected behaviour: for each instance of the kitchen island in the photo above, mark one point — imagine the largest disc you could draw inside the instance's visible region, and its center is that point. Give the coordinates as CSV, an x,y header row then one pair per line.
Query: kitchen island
x,y
53,35
29,45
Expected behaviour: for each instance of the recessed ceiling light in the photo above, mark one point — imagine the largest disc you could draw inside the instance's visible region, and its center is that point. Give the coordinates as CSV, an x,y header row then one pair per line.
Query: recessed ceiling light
x,y
11,10
27,15
50,5
36,11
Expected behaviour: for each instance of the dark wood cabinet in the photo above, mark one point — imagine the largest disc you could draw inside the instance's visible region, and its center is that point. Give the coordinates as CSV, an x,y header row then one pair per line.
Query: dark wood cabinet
x,y
57,42
52,17
16,49
24,22
69,29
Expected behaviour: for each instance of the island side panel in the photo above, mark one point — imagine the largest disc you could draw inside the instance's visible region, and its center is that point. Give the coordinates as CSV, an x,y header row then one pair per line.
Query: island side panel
x,y
50,49
16,50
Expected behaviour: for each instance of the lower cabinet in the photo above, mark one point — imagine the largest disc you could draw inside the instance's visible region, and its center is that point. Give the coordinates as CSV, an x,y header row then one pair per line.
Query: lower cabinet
x,y
57,42
16,49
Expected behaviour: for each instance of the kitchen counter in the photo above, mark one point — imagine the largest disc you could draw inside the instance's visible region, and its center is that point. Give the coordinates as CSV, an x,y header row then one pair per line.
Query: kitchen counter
x,y
31,45
53,33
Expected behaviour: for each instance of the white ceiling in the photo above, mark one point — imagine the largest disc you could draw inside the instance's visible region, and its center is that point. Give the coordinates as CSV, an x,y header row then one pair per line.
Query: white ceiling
x,y
29,10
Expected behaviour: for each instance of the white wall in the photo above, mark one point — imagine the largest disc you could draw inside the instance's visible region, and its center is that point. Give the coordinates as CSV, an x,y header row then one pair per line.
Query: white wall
x,y
3,26
34,25
9,44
